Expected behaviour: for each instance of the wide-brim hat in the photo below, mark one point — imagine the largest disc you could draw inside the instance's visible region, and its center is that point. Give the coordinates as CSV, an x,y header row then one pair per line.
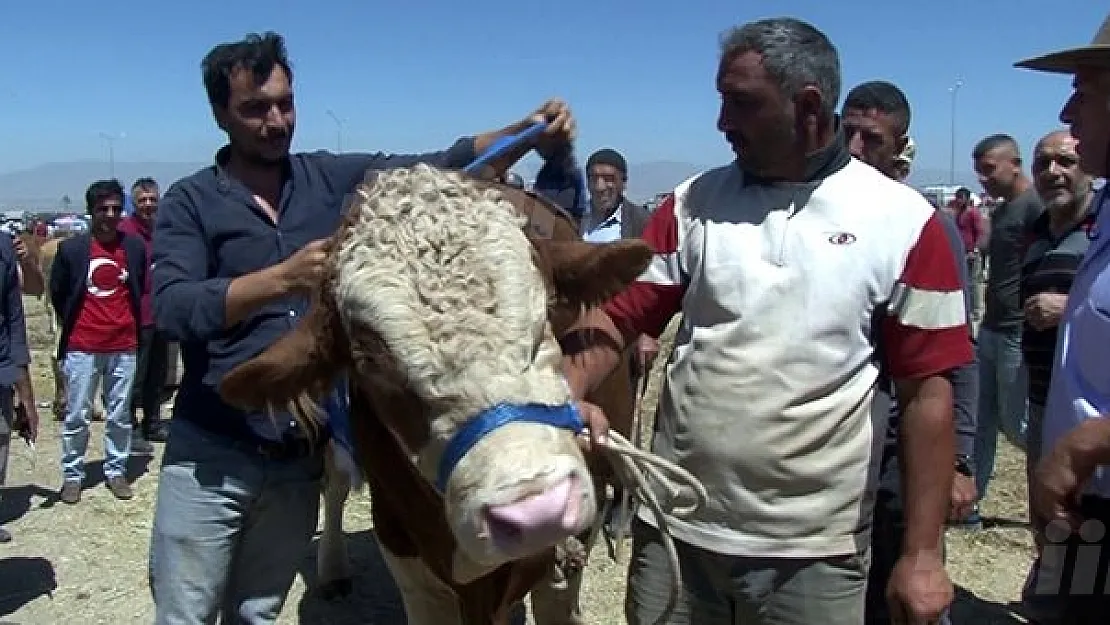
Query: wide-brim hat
x,y
1096,55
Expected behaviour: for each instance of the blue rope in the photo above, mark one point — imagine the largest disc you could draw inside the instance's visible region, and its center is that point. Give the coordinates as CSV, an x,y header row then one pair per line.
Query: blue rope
x,y
503,145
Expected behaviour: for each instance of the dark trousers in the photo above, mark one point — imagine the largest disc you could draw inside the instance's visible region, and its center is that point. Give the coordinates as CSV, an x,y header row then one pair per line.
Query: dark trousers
x,y
886,546
151,366
7,424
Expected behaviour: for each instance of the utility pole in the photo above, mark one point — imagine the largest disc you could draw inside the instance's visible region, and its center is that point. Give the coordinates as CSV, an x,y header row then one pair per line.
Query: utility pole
x,y
111,141
338,131
954,90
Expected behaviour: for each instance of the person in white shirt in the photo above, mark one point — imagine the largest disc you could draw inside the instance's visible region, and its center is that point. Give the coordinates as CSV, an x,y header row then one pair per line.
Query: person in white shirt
x,y
787,266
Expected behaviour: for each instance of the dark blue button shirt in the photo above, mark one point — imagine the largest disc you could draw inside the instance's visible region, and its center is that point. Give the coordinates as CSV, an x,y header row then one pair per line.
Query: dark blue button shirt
x,y
209,230
13,329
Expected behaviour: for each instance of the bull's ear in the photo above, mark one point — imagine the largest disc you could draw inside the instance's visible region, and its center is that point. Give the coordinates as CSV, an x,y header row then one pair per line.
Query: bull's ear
x,y
587,274
305,361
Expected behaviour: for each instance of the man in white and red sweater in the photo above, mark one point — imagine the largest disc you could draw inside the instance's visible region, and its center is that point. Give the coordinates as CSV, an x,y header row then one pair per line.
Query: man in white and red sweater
x,y
96,287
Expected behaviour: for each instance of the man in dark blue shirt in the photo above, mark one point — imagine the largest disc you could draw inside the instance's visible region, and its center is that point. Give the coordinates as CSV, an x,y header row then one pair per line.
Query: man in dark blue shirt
x,y
236,248
15,358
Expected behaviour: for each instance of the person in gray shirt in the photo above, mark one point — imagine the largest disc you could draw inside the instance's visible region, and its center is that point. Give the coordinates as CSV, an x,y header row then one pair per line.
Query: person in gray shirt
x,y
1003,379
876,121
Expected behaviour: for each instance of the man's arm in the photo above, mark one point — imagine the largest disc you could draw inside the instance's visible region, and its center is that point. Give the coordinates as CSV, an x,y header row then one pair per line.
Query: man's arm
x,y
1064,469
1089,445
927,447
19,351
59,282
189,305
965,378
927,337
982,232
594,345
561,181
349,169
31,279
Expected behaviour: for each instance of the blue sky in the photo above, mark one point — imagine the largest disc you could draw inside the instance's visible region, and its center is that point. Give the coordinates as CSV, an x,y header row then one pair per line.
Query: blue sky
x,y
410,77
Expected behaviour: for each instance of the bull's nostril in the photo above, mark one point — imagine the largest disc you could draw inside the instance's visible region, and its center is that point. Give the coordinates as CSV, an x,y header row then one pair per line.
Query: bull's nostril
x,y
546,516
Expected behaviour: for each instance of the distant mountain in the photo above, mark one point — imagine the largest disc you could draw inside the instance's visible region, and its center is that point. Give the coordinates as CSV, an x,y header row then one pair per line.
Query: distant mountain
x,y
930,176
42,188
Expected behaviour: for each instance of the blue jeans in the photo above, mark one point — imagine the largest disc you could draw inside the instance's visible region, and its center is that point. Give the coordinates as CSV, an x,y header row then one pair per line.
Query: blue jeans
x,y
83,371
1003,399
230,529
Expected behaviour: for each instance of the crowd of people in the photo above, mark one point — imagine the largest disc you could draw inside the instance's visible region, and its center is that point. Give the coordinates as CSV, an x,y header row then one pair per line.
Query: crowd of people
x,y
838,382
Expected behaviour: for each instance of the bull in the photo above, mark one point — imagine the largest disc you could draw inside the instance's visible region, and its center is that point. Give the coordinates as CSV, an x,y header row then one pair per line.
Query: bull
x,y
441,307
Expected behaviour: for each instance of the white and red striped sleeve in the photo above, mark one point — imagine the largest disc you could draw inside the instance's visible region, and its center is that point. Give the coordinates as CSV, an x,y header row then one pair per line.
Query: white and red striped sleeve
x,y
925,330
648,304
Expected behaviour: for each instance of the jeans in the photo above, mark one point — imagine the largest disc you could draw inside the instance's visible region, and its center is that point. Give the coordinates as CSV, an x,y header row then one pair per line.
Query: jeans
x,y
83,371
975,280
1003,399
719,589
230,529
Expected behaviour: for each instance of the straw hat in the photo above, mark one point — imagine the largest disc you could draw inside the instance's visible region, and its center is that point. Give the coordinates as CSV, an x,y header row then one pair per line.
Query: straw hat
x,y
1096,55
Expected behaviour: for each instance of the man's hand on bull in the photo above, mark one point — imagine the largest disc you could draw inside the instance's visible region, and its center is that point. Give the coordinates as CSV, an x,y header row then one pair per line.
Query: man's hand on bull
x,y
647,349
304,269
597,425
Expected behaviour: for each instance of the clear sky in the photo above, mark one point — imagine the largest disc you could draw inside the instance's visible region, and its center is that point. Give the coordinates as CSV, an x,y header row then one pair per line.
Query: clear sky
x,y
413,76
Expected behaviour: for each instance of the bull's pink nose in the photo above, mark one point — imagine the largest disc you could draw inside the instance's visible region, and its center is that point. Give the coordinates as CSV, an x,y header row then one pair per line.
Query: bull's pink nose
x,y
547,516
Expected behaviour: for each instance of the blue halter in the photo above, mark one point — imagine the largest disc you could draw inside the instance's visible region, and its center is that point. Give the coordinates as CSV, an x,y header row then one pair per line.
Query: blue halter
x,y
565,416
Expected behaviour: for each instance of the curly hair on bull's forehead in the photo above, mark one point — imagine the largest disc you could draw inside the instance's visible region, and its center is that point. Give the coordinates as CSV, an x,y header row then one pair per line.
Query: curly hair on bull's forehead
x,y
437,264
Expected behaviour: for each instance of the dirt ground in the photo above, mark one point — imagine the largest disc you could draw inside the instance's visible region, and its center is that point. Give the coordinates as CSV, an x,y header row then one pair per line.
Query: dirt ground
x,y
88,563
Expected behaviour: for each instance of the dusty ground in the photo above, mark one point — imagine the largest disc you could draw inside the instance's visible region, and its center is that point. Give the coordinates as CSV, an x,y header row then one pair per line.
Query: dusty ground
x,y
87,563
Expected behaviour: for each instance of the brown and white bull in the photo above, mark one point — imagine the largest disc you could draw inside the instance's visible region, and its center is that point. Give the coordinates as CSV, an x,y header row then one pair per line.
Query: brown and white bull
x,y
443,312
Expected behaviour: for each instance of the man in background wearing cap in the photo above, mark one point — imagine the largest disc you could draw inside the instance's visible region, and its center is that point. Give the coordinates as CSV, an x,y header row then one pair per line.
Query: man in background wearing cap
x,y
1071,489
610,217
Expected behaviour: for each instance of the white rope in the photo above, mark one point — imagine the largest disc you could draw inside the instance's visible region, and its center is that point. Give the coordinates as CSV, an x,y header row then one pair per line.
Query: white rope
x,y
637,434
635,466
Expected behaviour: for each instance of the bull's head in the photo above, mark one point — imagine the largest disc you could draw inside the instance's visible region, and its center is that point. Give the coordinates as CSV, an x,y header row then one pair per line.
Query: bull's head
x,y
436,308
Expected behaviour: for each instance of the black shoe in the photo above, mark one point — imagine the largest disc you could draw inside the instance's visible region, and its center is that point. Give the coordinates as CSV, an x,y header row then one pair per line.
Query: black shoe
x,y
140,446
155,431
71,492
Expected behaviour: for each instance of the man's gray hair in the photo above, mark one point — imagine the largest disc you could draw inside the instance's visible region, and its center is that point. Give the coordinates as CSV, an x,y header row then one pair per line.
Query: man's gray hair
x,y
795,54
